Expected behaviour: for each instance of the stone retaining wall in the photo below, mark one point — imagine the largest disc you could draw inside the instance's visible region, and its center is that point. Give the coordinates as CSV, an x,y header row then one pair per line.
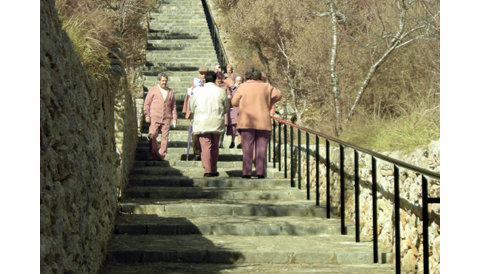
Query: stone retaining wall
x,y
87,142
410,193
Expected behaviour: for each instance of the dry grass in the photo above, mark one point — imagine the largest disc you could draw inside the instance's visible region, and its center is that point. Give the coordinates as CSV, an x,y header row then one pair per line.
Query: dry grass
x,y
95,26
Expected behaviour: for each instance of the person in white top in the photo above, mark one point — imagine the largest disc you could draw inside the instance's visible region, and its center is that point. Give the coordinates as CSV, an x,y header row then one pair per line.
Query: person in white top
x,y
209,108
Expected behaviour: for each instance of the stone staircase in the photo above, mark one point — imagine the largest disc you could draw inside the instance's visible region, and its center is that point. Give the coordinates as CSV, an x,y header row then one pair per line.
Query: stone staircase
x,y
179,42
173,220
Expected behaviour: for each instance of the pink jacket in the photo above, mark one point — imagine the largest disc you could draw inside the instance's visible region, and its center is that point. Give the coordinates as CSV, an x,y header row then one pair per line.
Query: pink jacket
x,y
254,99
157,108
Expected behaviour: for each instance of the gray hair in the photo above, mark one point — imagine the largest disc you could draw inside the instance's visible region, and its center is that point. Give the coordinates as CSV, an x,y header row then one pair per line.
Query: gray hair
x,y
162,75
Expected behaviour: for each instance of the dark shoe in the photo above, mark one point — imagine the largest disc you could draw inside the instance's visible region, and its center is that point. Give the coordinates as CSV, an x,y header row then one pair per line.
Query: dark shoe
x,y
197,158
207,175
215,174
161,158
247,176
232,145
151,157
239,146
261,176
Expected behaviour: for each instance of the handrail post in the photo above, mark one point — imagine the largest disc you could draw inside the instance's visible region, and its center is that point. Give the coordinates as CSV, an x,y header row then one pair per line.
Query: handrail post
x,y
342,190
299,159
273,143
292,183
280,146
285,150
374,210
327,145
396,178
317,170
357,202
307,139
425,221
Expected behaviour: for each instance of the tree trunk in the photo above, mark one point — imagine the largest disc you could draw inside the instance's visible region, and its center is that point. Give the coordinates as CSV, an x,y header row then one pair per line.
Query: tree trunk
x,y
333,70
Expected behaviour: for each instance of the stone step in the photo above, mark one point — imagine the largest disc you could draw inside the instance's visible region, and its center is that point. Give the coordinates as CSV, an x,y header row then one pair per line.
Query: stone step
x,y
176,23
183,62
162,267
176,86
167,56
318,249
198,171
143,148
152,35
180,46
186,43
173,79
195,17
231,225
182,181
213,193
215,207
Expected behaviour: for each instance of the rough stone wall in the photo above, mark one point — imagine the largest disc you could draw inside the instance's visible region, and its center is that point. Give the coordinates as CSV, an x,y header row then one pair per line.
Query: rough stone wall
x,y
410,193
86,146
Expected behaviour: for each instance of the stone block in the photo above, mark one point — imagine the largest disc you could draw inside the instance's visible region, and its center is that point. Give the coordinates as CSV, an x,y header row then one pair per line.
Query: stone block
x,y
130,228
162,229
268,230
124,256
233,230
159,256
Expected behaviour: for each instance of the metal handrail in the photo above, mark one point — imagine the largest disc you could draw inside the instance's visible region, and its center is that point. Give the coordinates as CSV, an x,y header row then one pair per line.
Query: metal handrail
x,y
397,164
215,33
427,172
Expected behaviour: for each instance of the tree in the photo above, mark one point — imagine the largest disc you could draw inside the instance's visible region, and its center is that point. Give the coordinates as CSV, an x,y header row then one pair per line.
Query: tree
x,y
407,28
387,47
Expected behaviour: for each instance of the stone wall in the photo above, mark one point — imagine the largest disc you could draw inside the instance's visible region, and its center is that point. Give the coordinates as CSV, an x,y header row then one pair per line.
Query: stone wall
x,y
410,193
87,143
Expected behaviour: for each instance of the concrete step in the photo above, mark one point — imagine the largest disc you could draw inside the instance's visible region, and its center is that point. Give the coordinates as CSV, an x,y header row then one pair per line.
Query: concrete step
x,y
231,225
215,207
177,268
319,249
183,181
213,193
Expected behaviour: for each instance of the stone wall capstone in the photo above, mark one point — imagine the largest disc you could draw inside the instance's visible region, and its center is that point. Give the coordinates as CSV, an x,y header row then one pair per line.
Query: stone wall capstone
x,y
87,143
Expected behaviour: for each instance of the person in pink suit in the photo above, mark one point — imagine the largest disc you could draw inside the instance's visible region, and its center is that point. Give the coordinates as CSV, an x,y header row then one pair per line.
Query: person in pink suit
x,y
231,118
159,110
254,99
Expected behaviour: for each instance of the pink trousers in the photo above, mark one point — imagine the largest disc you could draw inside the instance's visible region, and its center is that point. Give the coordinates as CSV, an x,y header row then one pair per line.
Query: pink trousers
x,y
153,134
258,139
209,143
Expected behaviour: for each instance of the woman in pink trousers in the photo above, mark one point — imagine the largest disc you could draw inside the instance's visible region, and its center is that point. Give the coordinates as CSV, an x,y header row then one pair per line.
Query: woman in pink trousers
x,y
254,98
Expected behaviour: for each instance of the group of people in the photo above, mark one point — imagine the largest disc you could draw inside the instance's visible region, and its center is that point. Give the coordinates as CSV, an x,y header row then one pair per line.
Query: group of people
x,y
217,103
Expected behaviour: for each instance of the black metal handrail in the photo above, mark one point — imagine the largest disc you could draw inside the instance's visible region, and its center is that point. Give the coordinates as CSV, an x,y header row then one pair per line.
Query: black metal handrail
x,y
215,33
375,155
